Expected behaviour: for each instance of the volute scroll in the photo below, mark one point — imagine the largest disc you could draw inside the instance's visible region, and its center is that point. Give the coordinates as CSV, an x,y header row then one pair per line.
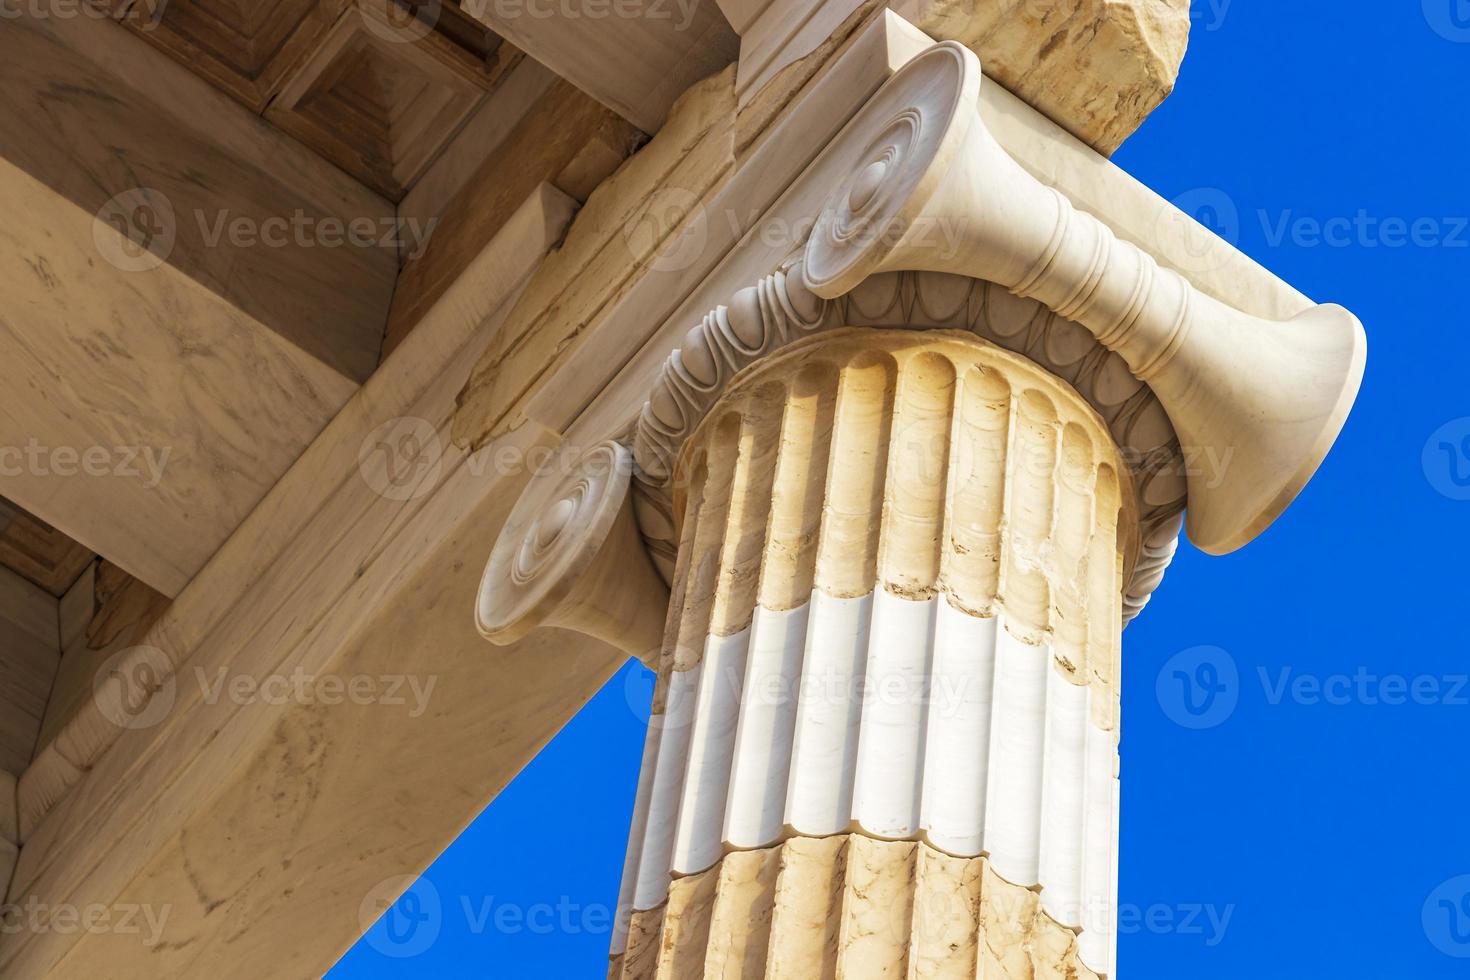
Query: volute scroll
x,y
570,555
934,191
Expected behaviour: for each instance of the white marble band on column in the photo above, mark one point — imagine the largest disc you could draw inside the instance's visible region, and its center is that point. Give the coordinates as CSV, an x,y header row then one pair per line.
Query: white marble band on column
x,y
896,614
968,739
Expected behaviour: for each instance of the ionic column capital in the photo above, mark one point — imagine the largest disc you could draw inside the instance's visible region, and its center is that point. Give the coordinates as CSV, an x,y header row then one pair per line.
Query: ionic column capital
x,y
934,225
933,190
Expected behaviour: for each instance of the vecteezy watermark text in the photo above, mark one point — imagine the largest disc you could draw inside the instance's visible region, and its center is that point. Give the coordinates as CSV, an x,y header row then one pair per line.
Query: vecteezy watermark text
x,y
942,696
1215,210
35,459
1202,686
146,14
31,915
304,230
137,688
403,916
300,687
1208,921
1203,919
674,227
138,229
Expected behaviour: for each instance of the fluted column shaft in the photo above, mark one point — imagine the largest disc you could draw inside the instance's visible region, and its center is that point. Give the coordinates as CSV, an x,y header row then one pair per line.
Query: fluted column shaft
x,y
885,729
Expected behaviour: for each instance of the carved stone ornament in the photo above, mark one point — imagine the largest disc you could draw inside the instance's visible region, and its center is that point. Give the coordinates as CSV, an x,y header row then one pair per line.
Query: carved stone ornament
x,y
1275,394
897,464
1222,417
569,555
937,227
787,311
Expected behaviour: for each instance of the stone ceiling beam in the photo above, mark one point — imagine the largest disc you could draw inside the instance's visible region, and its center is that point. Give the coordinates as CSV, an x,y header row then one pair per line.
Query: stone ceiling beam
x,y
635,58
183,308
264,821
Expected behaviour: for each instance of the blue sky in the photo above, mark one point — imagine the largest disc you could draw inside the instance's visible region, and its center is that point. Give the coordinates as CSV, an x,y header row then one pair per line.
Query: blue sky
x,y
1304,812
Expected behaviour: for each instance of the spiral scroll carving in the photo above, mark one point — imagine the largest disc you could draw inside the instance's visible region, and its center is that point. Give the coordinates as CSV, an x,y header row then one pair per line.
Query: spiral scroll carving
x,y
554,533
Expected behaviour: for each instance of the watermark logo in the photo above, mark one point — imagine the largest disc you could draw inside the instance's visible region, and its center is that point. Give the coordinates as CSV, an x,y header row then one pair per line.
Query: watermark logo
x,y
1189,231
638,687
401,916
402,458
1446,459
1199,688
1446,917
136,230
1450,19
135,687
674,225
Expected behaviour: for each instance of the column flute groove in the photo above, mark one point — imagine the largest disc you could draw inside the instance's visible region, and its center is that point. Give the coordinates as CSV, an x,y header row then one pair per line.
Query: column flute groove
x,y
906,490
898,560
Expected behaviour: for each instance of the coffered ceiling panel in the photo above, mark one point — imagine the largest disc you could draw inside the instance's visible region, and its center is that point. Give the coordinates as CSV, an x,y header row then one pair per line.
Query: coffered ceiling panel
x,y
378,100
376,86
243,46
37,551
